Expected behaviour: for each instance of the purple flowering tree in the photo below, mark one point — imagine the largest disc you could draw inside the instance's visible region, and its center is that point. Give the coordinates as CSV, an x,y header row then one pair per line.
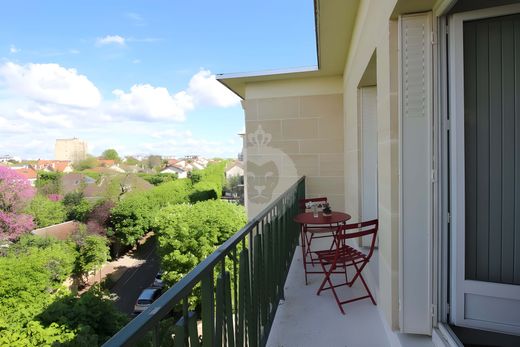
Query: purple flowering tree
x,y
15,193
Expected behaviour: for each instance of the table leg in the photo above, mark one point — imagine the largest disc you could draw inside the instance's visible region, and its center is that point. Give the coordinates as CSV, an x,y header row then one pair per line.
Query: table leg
x,y
304,255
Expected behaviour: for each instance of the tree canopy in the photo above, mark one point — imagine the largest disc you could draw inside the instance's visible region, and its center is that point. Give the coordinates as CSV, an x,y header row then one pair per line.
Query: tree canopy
x,y
49,182
35,308
189,233
46,212
111,154
89,163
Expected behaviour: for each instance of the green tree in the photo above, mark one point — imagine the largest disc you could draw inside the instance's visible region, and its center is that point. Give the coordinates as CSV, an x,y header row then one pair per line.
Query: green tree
x,y
79,212
132,161
154,161
46,212
92,253
89,163
31,276
72,198
204,191
92,316
187,234
111,154
132,217
35,308
48,182
160,178
195,176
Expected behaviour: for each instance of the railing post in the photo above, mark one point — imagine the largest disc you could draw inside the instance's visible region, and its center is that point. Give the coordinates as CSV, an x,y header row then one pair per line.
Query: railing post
x,y
208,311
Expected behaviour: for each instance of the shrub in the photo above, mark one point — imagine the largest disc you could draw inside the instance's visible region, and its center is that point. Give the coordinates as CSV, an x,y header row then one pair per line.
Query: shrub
x,y
46,212
36,310
204,191
160,178
187,234
48,182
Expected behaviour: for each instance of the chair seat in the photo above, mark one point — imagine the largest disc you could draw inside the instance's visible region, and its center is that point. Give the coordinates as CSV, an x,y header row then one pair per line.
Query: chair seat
x,y
319,230
344,254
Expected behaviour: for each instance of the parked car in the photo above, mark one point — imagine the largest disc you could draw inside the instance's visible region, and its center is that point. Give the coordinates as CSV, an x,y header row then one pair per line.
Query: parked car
x,y
158,281
146,298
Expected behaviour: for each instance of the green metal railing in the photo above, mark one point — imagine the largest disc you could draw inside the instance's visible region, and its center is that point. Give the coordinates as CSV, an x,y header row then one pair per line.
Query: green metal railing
x,y
230,298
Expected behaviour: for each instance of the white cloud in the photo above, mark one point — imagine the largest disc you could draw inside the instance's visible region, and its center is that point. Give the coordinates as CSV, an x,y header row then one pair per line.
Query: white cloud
x,y
13,49
42,102
207,91
111,39
136,61
50,83
191,145
147,102
59,120
172,133
9,126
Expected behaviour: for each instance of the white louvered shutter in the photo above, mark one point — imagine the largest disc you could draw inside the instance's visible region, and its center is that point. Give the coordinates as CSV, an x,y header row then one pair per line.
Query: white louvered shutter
x,y
415,285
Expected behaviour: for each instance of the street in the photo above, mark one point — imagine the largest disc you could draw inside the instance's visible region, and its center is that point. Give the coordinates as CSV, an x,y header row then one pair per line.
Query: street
x,y
134,280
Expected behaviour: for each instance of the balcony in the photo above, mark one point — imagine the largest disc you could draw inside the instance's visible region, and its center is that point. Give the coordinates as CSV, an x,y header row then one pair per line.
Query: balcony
x,y
251,292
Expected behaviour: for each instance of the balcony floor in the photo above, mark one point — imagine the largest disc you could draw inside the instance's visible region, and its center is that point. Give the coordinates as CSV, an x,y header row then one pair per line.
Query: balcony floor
x,y
305,319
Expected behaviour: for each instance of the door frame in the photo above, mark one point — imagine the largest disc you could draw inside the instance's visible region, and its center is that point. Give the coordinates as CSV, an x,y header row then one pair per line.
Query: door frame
x,y
362,94
458,285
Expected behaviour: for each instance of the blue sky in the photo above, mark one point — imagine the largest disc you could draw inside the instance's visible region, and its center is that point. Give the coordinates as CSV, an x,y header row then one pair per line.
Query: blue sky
x,y
137,75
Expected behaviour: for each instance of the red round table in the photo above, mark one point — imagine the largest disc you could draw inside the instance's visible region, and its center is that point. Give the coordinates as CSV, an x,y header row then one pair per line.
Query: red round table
x,y
334,218
321,222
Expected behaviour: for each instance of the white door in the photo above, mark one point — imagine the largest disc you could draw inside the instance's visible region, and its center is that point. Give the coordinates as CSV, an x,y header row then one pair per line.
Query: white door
x,y
484,66
368,117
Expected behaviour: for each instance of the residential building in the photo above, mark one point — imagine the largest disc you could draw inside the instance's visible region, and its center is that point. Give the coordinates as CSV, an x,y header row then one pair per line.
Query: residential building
x,y
9,158
73,150
410,117
235,168
171,169
63,166
172,161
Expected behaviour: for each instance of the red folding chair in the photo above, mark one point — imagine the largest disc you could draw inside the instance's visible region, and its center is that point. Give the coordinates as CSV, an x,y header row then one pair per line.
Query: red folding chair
x,y
344,256
311,232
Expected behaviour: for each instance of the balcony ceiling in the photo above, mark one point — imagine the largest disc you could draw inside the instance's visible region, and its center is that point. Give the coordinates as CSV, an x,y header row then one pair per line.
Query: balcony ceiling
x,y
335,21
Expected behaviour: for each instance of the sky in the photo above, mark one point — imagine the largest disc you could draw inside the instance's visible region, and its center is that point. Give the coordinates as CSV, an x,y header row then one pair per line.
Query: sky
x,y
139,75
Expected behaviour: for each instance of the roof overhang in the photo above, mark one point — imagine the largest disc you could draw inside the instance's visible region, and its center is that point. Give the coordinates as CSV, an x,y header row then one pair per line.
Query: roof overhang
x,y
334,24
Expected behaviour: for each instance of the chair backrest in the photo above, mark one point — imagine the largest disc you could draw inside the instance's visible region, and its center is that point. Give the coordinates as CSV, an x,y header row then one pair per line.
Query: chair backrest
x,y
302,202
367,228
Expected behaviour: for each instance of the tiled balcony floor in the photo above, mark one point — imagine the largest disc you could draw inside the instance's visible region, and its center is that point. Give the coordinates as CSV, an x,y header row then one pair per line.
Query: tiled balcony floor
x,y
305,319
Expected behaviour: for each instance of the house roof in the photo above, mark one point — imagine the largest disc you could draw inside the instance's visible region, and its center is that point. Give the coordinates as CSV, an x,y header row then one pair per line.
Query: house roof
x,y
60,231
55,165
334,25
174,168
27,172
236,163
106,162
61,166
